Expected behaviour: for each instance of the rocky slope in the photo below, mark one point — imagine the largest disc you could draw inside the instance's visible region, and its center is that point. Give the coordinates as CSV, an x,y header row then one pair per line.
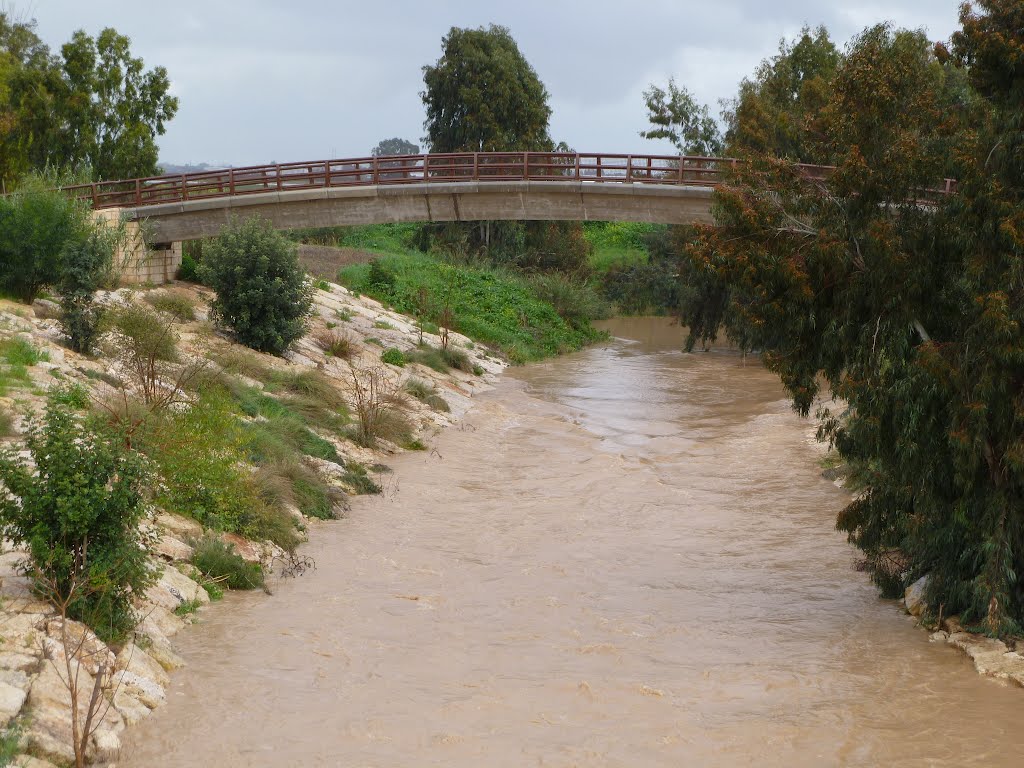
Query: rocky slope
x,y
35,703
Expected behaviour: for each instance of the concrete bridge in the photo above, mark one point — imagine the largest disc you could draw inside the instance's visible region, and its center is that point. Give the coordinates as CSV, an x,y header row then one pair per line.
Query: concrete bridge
x,y
521,186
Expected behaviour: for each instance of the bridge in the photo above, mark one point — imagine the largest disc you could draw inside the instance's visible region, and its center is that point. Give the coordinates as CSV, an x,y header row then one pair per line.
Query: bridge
x,y
469,186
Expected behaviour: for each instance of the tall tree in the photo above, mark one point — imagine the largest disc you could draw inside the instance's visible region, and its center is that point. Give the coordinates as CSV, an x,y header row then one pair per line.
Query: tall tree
x,y
482,95
772,110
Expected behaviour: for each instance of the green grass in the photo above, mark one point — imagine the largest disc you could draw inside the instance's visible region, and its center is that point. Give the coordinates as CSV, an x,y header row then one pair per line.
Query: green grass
x,y
219,562
358,480
426,393
18,352
385,238
497,308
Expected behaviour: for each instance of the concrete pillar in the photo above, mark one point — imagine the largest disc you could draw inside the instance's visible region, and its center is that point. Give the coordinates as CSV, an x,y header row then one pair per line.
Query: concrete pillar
x,y
136,261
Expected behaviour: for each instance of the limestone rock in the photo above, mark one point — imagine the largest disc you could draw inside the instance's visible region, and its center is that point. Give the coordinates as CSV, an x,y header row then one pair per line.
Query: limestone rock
x,y
131,709
914,597
49,731
159,623
106,745
27,663
27,761
11,700
149,692
179,526
83,644
162,653
136,660
937,637
175,588
172,548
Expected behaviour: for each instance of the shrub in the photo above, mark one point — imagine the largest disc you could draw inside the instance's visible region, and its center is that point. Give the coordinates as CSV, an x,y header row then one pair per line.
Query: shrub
x,y
177,305
85,266
78,512
376,406
575,301
74,396
380,279
456,358
359,480
393,356
219,562
263,296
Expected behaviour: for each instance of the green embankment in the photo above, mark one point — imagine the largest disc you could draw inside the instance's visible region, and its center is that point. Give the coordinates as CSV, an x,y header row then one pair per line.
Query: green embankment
x,y
494,307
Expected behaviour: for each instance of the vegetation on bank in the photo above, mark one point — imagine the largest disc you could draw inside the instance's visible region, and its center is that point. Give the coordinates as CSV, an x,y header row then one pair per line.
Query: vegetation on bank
x,y
510,312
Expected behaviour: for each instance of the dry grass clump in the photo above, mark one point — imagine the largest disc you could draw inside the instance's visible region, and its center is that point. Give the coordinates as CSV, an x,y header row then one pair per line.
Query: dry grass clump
x,y
426,393
177,305
377,408
335,343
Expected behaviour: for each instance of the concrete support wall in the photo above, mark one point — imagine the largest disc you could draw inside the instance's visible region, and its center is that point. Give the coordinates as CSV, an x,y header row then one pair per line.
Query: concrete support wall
x,y
463,201
136,261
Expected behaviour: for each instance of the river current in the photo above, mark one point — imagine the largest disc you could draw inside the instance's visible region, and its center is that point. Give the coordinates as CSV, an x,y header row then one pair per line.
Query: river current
x,y
622,557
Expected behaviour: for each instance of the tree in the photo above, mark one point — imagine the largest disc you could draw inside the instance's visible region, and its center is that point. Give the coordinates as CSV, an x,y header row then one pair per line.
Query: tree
x,y
263,295
910,313
771,112
93,106
78,511
395,146
483,96
675,115
84,266
110,109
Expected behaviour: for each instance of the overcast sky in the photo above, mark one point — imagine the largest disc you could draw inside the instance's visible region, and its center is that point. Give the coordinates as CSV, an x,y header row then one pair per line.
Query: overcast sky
x,y
265,80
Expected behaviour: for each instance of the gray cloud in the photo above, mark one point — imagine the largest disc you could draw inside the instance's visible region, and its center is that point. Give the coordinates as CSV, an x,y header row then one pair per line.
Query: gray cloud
x,y
265,80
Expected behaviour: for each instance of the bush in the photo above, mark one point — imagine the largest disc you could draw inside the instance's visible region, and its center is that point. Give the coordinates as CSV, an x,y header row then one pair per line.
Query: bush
x,y
456,358
78,512
18,352
37,225
393,356
6,422
427,393
263,296
220,563
574,300
85,266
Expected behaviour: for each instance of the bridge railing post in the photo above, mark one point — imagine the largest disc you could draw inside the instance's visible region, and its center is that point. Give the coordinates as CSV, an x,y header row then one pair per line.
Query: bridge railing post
x,y
231,180
277,170
184,187
138,191
376,170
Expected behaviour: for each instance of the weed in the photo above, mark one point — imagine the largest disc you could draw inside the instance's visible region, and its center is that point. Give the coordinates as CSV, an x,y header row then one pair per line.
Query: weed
x,y
429,356
393,356
219,561
177,305
71,395
358,480
213,590
415,445
458,359
323,285
335,343
374,340
376,401
383,325
6,422
188,606
343,315
478,370
427,393
18,352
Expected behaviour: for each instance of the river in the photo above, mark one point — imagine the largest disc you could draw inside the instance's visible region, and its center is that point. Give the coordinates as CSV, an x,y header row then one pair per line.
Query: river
x,y
623,557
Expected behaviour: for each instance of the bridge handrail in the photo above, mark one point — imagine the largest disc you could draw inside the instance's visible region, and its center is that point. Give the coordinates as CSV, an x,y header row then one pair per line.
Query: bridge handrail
x,y
407,169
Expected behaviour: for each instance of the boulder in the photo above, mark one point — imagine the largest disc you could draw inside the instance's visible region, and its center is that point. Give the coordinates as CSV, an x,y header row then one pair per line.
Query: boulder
x,y
12,698
158,623
106,745
82,643
181,527
131,709
136,660
149,692
169,547
27,761
175,588
914,597
162,653
27,663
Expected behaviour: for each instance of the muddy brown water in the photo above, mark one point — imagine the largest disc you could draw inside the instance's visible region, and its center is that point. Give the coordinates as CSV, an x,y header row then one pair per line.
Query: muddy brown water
x,y
624,557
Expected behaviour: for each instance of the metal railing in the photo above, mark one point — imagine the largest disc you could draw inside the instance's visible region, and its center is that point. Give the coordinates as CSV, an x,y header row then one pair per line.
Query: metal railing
x,y
412,169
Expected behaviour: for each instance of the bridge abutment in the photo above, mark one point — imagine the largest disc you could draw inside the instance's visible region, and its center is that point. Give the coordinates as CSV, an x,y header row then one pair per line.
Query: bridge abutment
x,y
136,260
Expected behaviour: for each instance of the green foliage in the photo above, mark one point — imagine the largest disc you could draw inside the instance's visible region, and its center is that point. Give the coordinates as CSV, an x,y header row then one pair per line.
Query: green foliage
x,y
907,313
73,396
188,607
198,453
357,478
37,225
219,562
773,111
675,115
85,266
19,352
490,306
576,301
483,96
78,512
427,394
262,293
6,422
393,356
